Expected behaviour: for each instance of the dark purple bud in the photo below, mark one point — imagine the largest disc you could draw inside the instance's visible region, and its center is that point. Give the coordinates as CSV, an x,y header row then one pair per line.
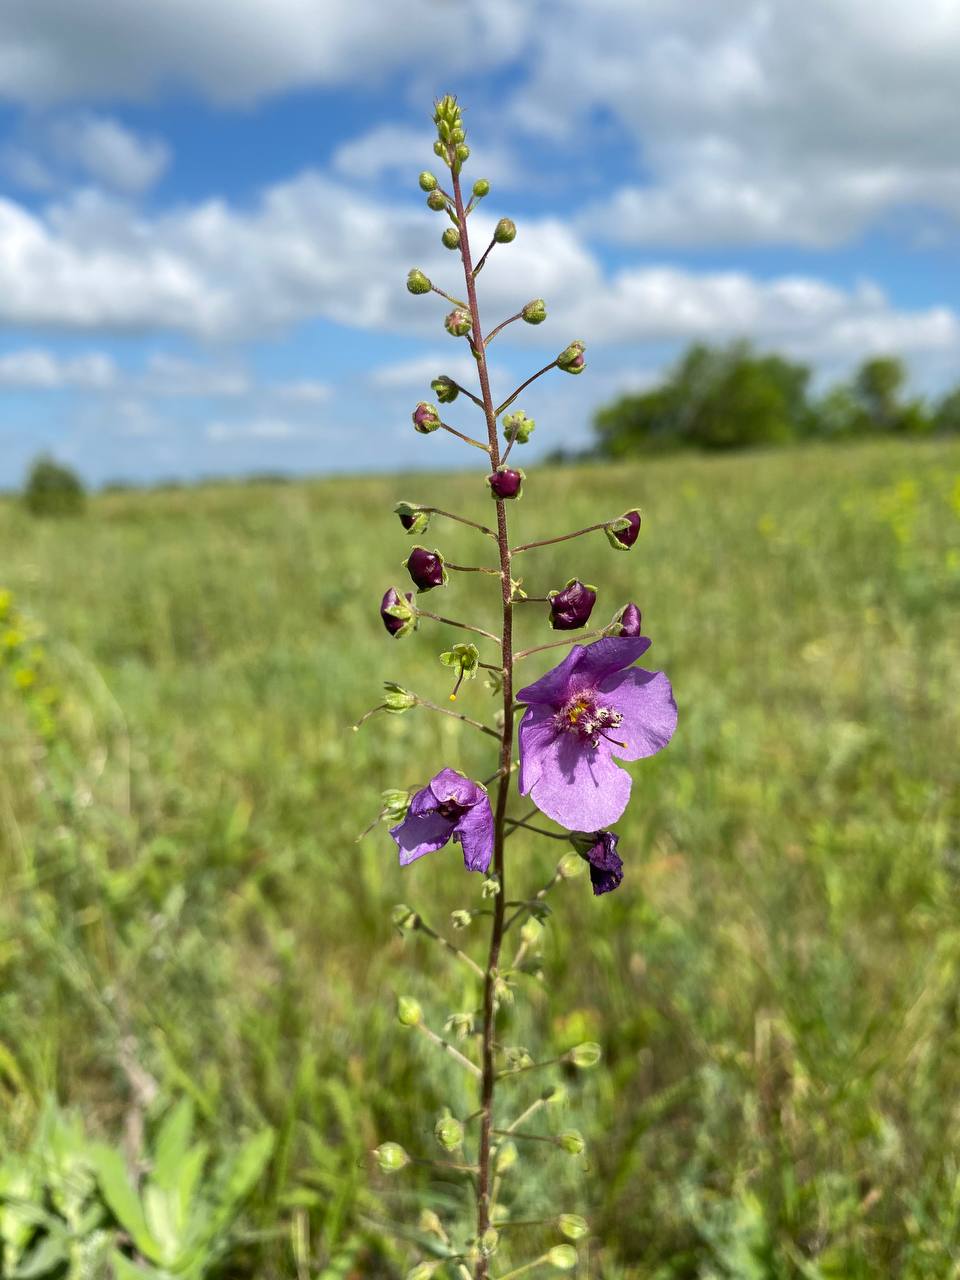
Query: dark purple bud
x,y
623,533
426,568
413,518
398,613
506,482
571,359
426,418
600,849
571,607
627,621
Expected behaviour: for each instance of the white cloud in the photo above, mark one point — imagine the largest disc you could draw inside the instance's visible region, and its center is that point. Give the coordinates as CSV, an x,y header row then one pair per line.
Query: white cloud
x,y
272,429
33,369
300,391
420,370
168,375
106,151
399,150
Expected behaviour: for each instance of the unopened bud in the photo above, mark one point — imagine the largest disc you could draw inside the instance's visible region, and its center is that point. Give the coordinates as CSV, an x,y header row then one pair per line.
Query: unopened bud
x,y
506,482
427,181
505,231
409,1013
440,150
563,1257
449,1132
422,1271
490,887
506,1157
445,389
518,427
426,418
431,1224
451,238
417,282
437,201
570,608
462,152
461,919
531,933
460,1024
397,613
585,1055
535,312
517,1058
404,917
572,1142
570,866
413,518
572,1226
571,360
481,188
623,533
488,1242
397,699
391,1157
627,622
457,323
426,568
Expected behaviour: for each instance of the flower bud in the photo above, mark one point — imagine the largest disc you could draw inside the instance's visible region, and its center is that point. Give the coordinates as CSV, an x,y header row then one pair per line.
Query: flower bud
x,y
395,806
623,533
518,427
417,282
422,1271
458,322
563,1257
481,188
397,613
413,518
571,360
585,1055
460,1024
409,1013
445,389
447,116
404,917
391,1157
505,483
431,1224
505,231
460,919
449,1132
490,887
531,932
571,607
451,238
506,1157
396,698
571,1140
572,1226
627,622
440,150
535,312
462,152
426,418
489,1242
437,201
426,568
570,866
427,181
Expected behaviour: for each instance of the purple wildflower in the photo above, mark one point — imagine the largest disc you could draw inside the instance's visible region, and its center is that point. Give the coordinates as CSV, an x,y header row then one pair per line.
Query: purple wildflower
x,y
591,708
449,807
571,607
606,865
426,568
628,620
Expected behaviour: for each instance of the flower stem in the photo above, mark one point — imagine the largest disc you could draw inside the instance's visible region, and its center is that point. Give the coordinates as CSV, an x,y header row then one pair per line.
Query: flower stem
x,y
435,511
447,1047
457,715
422,927
556,644
564,537
456,301
523,385
465,438
452,622
503,324
488,1071
471,568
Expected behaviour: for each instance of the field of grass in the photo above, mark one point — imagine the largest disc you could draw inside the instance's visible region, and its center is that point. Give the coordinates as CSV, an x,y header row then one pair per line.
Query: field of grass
x,y
185,910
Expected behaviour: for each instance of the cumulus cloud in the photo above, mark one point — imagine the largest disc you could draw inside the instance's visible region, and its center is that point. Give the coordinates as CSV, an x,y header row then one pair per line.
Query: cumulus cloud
x,y
33,369
398,150
108,152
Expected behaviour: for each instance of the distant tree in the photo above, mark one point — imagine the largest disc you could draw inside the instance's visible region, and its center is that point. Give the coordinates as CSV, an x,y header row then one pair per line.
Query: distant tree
x,y
947,416
878,385
53,490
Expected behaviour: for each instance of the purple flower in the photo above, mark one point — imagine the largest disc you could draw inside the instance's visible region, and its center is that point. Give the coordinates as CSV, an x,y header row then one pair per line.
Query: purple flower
x,y
591,708
449,807
624,532
505,482
397,612
571,607
628,620
426,568
600,850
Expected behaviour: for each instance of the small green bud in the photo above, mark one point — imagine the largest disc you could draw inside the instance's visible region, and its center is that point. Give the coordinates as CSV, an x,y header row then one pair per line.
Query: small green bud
x,y
431,1224
457,135
436,201
563,1257
417,282
445,389
571,360
506,1157
572,1142
490,887
440,150
502,991
535,312
396,698
451,238
391,1157
427,181
422,1271
462,152
518,427
413,518
449,1132
531,933
585,1055
571,865
460,1024
481,188
426,418
409,1013
404,917
458,322
461,919
395,806
517,1058
489,1241
572,1226
505,231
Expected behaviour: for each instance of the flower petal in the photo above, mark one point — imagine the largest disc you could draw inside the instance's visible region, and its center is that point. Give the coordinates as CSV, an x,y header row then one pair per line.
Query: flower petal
x,y
475,833
645,700
579,786
537,731
448,784
584,667
418,834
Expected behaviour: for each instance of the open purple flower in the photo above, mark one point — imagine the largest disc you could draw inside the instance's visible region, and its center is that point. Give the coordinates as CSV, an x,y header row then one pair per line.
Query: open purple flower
x,y
449,807
600,849
592,708
571,607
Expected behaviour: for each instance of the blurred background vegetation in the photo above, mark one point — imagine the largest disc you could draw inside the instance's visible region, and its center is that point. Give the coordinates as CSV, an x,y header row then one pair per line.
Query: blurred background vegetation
x,y
197,963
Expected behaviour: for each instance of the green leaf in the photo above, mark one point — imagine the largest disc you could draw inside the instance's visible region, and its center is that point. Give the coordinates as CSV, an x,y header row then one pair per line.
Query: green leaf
x,y
238,1176
124,1269
170,1147
122,1201
52,1252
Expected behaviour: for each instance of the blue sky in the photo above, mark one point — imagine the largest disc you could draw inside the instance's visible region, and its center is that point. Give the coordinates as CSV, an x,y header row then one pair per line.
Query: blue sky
x,y
208,208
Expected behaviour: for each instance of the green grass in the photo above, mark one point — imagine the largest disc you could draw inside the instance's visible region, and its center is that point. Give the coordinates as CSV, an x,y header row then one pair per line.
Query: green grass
x,y
775,985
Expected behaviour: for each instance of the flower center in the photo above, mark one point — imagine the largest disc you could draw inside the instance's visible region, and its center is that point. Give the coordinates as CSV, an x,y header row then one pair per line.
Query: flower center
x,y
452,811
588,719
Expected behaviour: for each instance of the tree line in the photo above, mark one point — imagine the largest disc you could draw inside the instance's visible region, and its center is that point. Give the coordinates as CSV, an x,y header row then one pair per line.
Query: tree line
x,y
733,397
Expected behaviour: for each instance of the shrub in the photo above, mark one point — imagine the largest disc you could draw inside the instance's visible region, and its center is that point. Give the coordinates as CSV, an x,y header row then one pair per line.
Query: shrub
x,y
53,490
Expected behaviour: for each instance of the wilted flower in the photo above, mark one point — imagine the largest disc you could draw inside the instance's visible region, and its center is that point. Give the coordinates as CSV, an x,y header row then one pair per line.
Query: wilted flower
x,y
449,807
426,418
571,360
628,621
506,482
623,533
426,568
592,707
398,613
571,607
599,849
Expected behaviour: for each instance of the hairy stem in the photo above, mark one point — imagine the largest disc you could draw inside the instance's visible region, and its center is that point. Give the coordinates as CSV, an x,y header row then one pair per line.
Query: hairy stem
x,y
488,1076
523,385
465,438
460,520
445,711
452,622
563,537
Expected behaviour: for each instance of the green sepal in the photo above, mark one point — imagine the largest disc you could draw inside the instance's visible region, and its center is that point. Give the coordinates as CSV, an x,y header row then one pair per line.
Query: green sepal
x,y
420,518
396,698
518,427
465,658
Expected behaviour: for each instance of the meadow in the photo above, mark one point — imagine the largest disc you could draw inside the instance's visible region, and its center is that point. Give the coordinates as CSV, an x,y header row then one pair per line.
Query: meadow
x,y
186,911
